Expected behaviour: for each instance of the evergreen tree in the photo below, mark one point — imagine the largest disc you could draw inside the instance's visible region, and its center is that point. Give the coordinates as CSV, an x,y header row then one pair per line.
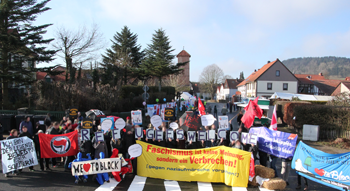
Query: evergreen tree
x,y
241,76
125,53
159,57
21,42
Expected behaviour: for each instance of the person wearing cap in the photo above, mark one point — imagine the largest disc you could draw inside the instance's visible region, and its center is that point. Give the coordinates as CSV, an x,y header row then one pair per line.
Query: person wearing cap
x,y
28,124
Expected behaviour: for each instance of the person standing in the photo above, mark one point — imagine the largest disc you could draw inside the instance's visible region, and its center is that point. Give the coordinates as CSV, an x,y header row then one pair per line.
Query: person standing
x,y
286,169
299,183
273,164
99,146
37,149
26,134
239,118
28,124
55,130
47,120
80,118
231,107
1,134
215,112
68,159
13,135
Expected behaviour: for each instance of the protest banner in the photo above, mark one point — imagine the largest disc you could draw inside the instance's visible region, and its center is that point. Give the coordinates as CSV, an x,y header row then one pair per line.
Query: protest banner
x,y
277,143
85,134
52,146
96,166
150,110
156,121
156,109
116,134
136,117
207,120
169,113
192,122
223,122
162,111
215,164
17,154
106,124
119,123
332,170
174,125
135,150
87,123
73,113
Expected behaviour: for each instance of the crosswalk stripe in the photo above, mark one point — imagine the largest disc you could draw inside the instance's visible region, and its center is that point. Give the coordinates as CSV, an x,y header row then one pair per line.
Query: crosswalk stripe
x,y
239,189
264,189
205,186
138,183
108,186
171,185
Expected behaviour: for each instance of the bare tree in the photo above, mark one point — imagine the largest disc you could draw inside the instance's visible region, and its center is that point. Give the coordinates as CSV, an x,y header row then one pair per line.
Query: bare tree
x,y
226,77
77,47
210,77
177,82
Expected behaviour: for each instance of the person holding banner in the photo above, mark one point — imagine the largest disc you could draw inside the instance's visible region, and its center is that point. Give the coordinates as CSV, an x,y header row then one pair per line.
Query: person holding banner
x,y
13,135
37,149
68,159
99,145
26,134
55,130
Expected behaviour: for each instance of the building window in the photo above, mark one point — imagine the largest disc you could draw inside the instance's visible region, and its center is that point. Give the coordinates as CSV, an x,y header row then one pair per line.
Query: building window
x,y
285,86
269,86
277,73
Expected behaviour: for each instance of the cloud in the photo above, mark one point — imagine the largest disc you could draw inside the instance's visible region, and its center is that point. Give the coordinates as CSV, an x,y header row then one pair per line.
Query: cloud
x,y
156,12
277,13
334,44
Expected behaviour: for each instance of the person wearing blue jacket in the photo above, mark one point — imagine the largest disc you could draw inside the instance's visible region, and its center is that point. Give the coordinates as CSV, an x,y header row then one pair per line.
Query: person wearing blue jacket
x,y
29,126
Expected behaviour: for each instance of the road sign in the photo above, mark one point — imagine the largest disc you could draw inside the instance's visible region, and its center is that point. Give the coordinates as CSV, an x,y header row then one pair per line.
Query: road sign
x,y
145,88
145,95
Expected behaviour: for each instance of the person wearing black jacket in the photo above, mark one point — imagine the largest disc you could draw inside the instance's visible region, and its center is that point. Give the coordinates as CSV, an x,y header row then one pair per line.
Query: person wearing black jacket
x,y
55,130
128,136
191,145
117,144
37,149
68,159
26,134
47,120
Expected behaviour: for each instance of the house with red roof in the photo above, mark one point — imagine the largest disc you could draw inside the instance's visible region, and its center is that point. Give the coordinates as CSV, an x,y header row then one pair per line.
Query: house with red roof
x,y
316,84
272,77
227,89
343,87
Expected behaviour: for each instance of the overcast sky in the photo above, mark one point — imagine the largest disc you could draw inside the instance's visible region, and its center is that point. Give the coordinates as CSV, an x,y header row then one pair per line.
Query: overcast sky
x,y
235,35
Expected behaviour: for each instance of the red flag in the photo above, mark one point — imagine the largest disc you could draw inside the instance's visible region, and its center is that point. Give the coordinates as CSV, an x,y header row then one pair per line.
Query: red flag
x,y
252,110
273,125
252,168
52,146
201,107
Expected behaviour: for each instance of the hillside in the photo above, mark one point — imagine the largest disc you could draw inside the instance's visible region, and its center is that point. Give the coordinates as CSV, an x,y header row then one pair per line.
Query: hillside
x,y
335,67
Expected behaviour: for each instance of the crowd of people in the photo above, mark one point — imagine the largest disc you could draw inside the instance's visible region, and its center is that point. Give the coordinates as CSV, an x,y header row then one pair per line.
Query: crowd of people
x,y
127,139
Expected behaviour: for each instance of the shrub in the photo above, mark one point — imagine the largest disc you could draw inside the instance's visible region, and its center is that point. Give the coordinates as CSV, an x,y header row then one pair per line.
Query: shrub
x,y
288,112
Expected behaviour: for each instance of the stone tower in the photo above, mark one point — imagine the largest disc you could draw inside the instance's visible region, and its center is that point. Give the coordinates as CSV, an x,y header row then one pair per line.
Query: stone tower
x,y
183,56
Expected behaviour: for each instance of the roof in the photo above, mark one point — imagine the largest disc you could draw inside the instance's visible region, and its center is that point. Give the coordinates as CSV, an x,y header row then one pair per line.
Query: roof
x,y
327,86
312,76
303,80
303,97
232,83
347,78
183,53
346,84
40,75
255,75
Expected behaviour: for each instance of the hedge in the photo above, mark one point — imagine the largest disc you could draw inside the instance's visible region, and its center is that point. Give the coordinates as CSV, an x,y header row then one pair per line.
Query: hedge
x,y
288,112
334,121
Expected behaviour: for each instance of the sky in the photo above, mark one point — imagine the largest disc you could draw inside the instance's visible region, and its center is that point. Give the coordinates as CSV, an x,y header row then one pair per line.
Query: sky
x,y
235,35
